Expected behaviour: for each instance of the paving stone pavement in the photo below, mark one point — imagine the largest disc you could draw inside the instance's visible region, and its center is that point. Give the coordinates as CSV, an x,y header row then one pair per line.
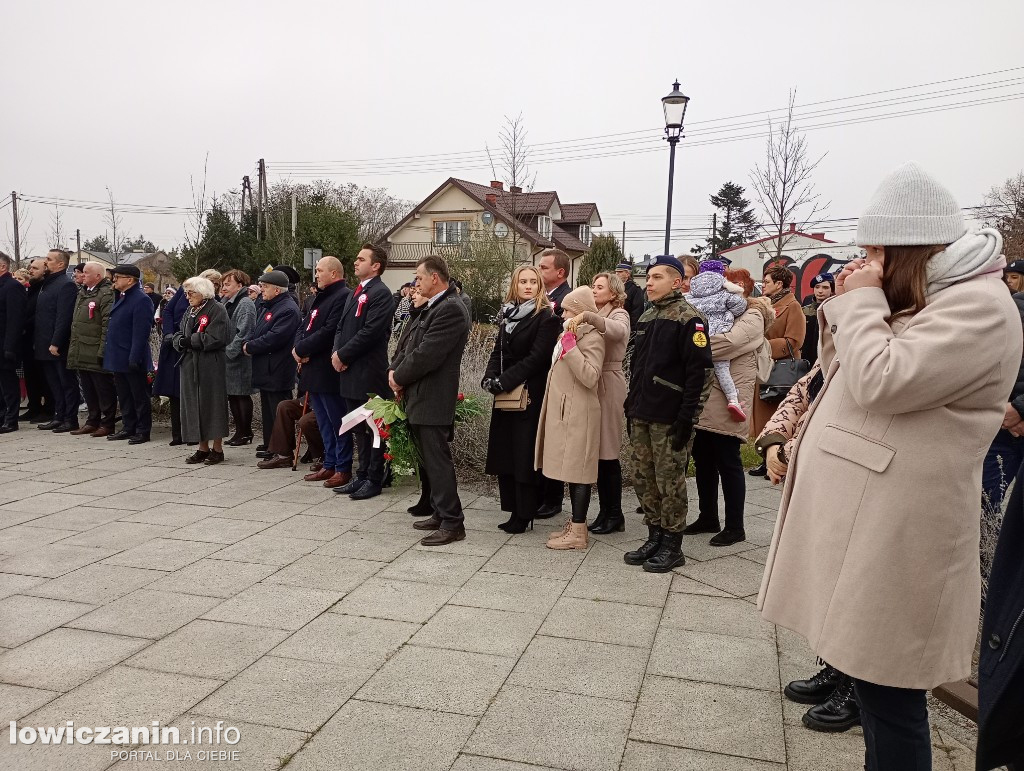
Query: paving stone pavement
x,y
135,588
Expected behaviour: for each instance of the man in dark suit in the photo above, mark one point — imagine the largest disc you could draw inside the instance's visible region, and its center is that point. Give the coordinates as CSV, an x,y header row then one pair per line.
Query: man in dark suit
x,y
55,306
12,310
634,296
554,269
127,354
361,356
425,373
314,343
40,400
273,368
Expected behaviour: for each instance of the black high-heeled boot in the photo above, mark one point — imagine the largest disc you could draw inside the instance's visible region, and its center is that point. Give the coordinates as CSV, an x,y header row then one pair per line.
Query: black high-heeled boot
x,y
609,494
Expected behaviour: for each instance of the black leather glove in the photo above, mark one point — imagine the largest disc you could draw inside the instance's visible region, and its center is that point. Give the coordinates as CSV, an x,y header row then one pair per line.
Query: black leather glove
x,y
134,367
494,386
680,433
184,342
168,338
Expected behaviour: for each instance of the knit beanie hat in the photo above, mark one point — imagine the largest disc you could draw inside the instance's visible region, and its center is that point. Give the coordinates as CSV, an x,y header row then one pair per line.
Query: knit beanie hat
x,y
910,208
712,266
579,300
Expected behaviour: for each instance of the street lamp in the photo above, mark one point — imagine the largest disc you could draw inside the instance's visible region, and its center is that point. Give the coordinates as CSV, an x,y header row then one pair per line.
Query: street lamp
x,y
675,110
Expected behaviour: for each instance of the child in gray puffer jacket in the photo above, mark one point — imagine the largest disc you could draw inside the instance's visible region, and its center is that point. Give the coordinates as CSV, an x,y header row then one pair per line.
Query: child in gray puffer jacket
x,y
721,302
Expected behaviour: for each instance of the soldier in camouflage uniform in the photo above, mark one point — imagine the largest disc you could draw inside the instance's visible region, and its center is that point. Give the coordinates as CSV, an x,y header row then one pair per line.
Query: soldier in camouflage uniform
x,y
670,379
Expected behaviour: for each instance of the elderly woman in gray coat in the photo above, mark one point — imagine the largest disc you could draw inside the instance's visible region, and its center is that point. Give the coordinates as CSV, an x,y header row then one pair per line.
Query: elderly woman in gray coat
x,y
242,314
205,332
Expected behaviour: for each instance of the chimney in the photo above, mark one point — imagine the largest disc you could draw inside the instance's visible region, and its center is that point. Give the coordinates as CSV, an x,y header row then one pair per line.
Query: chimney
x,y
818,235
497,185
492,199
515,189
792,227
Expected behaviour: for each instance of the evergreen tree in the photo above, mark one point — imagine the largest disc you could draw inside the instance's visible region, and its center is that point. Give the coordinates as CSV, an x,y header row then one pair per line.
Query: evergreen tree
x,y
737,223
605,253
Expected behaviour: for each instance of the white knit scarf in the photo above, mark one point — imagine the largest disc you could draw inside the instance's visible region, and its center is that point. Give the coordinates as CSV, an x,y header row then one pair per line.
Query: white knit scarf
x,y
974,254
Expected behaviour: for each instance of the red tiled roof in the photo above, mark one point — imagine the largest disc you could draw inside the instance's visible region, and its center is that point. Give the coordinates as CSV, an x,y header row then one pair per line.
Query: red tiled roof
x,y
566,241
578,213
525,203
785,234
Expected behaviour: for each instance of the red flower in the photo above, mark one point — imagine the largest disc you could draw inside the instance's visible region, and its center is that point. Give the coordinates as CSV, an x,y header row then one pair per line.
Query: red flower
x,y
462,396
387,456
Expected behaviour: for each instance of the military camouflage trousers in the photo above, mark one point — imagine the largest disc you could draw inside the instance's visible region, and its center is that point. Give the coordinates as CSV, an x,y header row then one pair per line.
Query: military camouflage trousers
x,y
659,475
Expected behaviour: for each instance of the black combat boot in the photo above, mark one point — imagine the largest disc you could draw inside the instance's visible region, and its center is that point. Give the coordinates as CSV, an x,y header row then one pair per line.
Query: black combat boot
x,y
647,550
839,713
816,689
669,554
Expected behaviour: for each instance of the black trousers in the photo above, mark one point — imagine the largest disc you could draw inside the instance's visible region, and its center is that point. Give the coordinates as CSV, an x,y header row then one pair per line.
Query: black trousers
x,y
520,499
268,407
175,418
10,396
371,459
101,398
717,457
609,487
895,722
241,413
133,396
40,399
436,456
64,386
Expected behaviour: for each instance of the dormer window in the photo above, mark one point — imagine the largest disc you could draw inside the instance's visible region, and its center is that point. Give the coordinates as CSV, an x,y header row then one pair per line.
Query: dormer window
x,y
585,234
544,225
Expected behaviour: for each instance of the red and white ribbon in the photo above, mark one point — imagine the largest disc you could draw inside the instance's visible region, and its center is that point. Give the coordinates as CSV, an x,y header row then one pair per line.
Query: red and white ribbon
x,y
359,415
312,316
92,308
359,305
203,321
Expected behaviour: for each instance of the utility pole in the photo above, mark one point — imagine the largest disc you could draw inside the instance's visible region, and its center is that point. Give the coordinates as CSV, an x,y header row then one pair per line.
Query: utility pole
x,y
259,203
78,240
295,215
714,235
623,244
17,235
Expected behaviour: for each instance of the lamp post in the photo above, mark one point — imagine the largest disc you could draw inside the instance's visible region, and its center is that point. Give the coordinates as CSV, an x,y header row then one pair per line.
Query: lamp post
x,y
674,106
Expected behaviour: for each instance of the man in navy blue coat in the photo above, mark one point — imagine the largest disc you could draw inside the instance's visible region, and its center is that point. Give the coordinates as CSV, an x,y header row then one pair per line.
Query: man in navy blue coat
x,y
361,356
273,368
314,343
55,306
12,311
126,353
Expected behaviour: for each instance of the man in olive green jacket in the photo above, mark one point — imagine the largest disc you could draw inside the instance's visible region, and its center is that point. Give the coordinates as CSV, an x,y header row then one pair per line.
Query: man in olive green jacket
x,y
85,353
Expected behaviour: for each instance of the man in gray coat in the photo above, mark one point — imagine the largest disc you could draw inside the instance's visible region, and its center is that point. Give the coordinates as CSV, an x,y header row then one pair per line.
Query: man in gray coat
x,y
425,373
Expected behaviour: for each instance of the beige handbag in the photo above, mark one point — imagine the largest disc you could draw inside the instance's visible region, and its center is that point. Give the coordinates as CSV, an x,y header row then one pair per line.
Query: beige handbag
x,y
515,400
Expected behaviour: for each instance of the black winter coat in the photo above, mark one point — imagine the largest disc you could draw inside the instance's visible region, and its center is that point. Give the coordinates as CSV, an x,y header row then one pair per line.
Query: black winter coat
x,y
810,347
361,341
273,368
12,314
428,361
670,376
168,376
28,335
54,309
521,357
634,306
1001,670
202,340
556,296
1017,395
126,346
315,339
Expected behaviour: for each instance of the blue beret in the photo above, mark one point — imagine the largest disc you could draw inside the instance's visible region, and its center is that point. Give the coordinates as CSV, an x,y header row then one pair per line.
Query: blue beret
x,y
668,261
822,278
624,266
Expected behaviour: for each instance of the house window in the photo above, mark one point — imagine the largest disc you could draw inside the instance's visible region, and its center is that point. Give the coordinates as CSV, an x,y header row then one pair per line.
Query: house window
x,y
585,234
451,232
544,225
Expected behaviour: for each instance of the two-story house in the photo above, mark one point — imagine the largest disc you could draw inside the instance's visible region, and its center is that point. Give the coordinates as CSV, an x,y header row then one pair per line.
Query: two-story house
x,y
460,216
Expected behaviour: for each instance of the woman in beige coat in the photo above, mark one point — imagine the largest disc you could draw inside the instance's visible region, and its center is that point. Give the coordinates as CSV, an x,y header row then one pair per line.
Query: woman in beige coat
x,y
612,321
786,336
569,434
718,437
875,553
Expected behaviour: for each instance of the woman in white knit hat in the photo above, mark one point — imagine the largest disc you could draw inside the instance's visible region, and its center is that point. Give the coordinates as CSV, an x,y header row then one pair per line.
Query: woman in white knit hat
x,y
920,347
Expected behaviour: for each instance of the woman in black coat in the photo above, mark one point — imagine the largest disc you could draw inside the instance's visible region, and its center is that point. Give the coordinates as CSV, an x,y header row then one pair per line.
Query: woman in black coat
x,y
204,334
168,377
522,355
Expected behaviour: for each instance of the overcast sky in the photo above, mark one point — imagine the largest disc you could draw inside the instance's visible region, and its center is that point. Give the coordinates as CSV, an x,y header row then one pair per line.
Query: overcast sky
x,y
134,95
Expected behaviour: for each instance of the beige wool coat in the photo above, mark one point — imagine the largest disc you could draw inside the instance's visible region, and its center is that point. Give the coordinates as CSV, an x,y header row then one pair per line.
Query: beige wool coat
x,y
874,559
613,324
569,432
739,347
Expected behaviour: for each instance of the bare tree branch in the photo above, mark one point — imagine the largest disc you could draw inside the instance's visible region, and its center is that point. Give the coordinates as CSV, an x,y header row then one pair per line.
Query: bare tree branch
x,y
783,186
57,237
